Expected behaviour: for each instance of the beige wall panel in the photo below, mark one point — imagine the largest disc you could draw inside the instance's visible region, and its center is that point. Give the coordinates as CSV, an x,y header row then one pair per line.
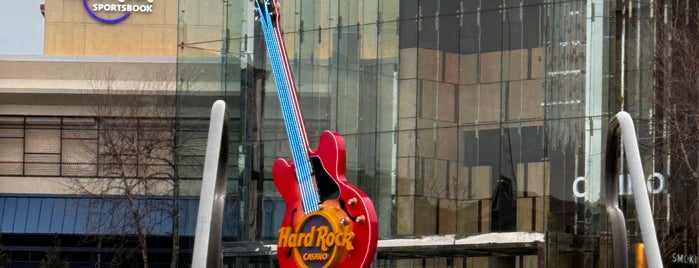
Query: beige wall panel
x,y
447,143
389,40
525,219
65,185
407,98
525,101
489,103
447,216
73,11
320,80
485,215
451,68
408,63
205,14
191,14
113,42
323,50
425,171
43,141
11,169
424,263
54,110
468,69
532,97
53,11
467,217
462,182
406,124
477,262
193,34
405,184
515,101
530,261
541,205
538,61
520,173
481,185
405,215
33,185
426,144
439,178
158,41
325,13
292,44
490,67
171,12
353,11
446,99
538,179
351,154
64,39
405,263
37,169
11,132
459,262
158,17
429,64
501,262
426,210
516,65
428,99
12,150
406,143
422,123
468,104
453,179
369,41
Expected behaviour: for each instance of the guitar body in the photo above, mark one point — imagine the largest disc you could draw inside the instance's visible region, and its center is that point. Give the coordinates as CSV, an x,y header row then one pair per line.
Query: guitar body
x,y
345,209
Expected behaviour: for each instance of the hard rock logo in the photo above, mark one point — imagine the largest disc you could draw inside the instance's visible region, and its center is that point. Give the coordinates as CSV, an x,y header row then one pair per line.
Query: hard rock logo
x,y
321,240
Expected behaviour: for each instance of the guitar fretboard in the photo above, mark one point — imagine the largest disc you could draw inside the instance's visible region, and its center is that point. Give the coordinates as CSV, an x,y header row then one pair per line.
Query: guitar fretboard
x,y
291,111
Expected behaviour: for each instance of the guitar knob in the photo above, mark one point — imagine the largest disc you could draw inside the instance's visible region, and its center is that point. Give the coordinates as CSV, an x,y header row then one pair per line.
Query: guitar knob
x,y
344,221
352,201
361,219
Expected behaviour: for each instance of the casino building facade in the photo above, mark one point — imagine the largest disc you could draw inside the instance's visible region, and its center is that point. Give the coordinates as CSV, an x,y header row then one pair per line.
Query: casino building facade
x,y
477,127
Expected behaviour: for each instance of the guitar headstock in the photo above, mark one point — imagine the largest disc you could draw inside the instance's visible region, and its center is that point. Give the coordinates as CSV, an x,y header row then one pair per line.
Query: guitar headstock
x,y
269,6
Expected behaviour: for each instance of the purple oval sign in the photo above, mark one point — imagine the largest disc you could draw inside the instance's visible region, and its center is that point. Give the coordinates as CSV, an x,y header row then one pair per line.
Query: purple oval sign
x,y
103,20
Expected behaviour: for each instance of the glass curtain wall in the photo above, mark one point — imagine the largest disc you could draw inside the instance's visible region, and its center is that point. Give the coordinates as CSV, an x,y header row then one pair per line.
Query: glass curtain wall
x,y
460,116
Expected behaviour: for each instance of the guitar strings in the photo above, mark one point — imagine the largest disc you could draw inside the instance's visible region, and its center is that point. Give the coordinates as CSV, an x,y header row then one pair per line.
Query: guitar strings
x,y
297,141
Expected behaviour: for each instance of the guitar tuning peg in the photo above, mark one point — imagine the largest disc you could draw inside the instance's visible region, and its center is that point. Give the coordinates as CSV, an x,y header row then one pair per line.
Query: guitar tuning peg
x,y
344,221
361,219
352,201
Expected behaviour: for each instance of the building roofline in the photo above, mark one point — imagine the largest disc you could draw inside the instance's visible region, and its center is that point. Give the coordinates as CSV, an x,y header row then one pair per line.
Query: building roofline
x,y
90,58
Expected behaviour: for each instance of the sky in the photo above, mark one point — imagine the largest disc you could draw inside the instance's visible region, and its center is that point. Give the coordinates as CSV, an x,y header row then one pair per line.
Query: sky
x,y
21,27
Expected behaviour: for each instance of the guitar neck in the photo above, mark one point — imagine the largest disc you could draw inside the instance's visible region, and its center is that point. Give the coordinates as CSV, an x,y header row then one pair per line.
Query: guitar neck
x,y
268,14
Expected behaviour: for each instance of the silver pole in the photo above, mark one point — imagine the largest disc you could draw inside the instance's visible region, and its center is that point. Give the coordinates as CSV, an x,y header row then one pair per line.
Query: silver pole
x,y
207,239
645,215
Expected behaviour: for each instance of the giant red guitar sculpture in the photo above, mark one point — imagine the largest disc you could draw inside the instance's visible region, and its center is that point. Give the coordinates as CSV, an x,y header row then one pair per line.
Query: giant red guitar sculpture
x,y
328,222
